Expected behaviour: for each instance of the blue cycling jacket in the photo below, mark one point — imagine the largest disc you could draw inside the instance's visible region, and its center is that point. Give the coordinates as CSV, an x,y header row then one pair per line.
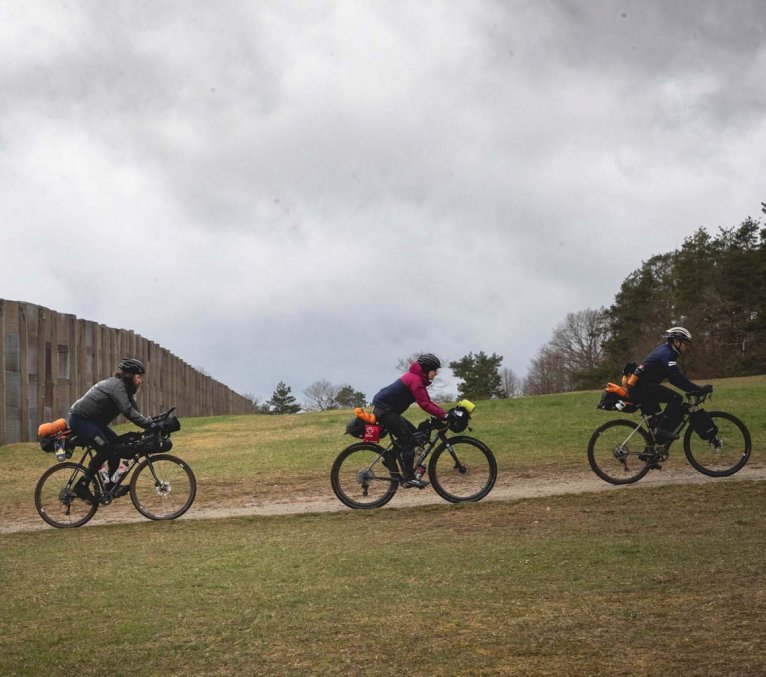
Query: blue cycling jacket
x,y
661,364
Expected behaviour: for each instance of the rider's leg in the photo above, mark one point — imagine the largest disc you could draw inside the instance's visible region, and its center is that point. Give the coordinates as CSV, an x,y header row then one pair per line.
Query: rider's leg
x,y
671,417
404,441
650,396
102,439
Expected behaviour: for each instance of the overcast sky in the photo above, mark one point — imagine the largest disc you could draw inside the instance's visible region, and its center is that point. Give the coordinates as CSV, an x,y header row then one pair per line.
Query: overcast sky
x,y
312,190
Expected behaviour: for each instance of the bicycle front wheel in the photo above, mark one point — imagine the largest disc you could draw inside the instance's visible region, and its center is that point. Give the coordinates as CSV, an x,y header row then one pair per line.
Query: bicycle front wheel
x,y
726,453
360,478
613,452
462,469
163,487
56,501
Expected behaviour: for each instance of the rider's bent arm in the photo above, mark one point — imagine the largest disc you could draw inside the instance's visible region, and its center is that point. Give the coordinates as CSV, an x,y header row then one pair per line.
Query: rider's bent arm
x,y
424,401
677,378
128,410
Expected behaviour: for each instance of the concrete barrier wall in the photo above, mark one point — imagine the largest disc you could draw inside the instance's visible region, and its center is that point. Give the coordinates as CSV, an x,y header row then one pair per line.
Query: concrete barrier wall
x,y
49,359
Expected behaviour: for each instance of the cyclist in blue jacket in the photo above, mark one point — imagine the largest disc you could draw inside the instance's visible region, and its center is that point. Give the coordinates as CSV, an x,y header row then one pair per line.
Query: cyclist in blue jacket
x,y
646,388
392,401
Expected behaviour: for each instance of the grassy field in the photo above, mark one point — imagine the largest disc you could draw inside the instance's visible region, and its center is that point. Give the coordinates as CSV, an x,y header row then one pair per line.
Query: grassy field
x,y
639,580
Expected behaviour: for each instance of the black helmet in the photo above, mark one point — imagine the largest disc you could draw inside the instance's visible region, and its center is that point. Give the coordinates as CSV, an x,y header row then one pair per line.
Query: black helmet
x,y
130,366
429,362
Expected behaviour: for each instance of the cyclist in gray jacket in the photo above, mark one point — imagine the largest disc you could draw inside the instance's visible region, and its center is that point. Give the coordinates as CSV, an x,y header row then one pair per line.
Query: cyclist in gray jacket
x,y
90,416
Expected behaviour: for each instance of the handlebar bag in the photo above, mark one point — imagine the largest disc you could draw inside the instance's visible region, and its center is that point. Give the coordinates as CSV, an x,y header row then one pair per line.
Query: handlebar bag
x,y
458,419
171,424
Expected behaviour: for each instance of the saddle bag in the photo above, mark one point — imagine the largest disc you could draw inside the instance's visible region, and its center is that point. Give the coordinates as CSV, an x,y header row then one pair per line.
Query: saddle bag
x,y
369,432
703,424
614,399
52,434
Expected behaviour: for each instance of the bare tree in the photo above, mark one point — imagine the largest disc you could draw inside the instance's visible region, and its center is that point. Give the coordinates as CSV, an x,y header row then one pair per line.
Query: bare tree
x,y
510,385
573,359
579,340
320,396
546,374
403,363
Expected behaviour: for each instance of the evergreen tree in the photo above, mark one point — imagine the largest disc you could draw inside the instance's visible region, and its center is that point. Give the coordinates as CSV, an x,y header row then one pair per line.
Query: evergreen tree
x,y
348,398
480,374
713,286
282,401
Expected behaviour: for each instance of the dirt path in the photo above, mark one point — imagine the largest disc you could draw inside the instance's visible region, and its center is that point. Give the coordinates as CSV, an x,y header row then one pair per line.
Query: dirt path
x,y
508,488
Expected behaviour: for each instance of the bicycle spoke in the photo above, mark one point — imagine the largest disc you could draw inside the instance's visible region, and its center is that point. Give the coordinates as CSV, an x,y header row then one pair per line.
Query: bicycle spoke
x,y
360,478
56,501
462,469
619,452
723,455
163,490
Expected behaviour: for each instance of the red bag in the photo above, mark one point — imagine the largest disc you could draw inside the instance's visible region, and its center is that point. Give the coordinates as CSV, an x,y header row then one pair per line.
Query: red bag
x,y
371,432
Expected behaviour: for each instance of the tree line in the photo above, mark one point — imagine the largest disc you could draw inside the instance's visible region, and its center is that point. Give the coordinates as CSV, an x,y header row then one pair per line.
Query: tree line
x,y
713,285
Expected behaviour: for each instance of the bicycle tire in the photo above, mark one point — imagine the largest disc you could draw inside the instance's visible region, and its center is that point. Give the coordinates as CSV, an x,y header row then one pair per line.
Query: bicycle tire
x,y
357,470
609,452
725,460
168,497
462,469
55,500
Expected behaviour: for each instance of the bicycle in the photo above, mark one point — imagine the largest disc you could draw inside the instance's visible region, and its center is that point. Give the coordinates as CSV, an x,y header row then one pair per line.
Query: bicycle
x,y
162,486
461,468
622,451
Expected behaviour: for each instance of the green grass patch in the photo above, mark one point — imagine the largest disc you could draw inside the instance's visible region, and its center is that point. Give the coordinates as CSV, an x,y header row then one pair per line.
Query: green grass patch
x,y
635,581
639,580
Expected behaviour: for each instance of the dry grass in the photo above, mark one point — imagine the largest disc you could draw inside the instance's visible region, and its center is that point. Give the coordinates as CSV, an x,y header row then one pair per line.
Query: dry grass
x,y
638,581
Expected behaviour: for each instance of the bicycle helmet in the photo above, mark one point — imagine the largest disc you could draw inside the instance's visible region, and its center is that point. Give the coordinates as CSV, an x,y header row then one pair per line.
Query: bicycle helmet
x,y
429,362
130,366
678,334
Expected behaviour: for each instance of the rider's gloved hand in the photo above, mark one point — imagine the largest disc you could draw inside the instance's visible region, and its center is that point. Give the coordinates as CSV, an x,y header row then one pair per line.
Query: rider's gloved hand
x,y
707,389
439,423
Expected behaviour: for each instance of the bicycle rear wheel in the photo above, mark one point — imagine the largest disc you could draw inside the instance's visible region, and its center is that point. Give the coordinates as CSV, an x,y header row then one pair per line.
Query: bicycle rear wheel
x,y
164,489
56,501
462,469
613,452
360,479
726,453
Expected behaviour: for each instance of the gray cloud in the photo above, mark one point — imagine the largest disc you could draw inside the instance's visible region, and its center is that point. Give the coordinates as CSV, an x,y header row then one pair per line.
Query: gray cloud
x,y
292,191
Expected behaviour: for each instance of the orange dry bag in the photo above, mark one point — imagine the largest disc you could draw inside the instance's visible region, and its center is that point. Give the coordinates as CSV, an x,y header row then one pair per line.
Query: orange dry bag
x,y
48,429
362,415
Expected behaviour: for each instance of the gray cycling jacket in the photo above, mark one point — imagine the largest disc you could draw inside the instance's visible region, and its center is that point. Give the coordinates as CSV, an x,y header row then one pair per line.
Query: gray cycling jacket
x,y
106,400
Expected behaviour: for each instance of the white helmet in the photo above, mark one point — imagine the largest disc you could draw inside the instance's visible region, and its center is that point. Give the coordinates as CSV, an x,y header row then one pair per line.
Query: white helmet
x,y
678,334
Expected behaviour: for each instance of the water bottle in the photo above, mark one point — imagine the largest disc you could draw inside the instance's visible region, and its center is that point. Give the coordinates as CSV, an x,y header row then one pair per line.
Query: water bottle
x,y
60,450
104,472
121,470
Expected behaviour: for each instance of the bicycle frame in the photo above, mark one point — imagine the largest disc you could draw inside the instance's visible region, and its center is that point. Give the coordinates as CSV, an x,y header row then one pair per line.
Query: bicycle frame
x,y
423,441
694,402
105,497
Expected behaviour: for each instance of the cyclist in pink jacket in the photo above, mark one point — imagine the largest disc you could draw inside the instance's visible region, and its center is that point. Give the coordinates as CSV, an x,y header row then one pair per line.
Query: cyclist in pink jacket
x,y
393,400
